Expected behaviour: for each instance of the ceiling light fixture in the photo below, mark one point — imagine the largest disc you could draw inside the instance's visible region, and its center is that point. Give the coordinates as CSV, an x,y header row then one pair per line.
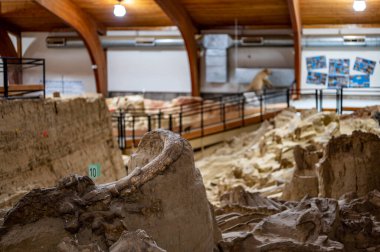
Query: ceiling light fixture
x,y
359,5
119,10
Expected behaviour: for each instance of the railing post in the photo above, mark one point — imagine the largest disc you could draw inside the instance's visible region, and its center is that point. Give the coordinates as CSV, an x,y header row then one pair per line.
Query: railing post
x,y
119,129
316,100
221,108
242,111
5,77
261,108
149,123
321,100
44,76
159,118
180,123
170,122
133,131
337,101
341,101
202,122
288,97
224,115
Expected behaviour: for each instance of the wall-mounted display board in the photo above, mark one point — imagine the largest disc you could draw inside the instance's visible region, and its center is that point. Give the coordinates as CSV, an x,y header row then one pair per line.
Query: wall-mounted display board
x,y
337,68
65,87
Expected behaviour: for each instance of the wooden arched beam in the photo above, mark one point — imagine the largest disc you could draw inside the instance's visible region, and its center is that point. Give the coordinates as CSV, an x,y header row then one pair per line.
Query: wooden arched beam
x,y
6,46
88,29
295,16
181,18
7,49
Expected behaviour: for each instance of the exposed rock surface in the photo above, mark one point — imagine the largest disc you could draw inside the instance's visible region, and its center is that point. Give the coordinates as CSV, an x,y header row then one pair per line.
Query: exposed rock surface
x,y
314,224
163,195
42,141
263,161
350,164
305,179
279,159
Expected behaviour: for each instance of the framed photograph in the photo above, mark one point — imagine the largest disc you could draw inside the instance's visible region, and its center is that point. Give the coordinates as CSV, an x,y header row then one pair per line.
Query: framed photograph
x,y
317,62
338,81
359,81
339,67
365,65
316,78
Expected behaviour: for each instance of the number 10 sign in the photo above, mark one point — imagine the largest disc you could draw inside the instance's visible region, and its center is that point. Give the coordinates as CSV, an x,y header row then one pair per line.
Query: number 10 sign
x,y
94,171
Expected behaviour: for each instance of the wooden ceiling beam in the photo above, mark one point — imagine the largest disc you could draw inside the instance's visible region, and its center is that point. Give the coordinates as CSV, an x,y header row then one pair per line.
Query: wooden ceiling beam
x,y
88,29
7,48
295,16
181,18
11,28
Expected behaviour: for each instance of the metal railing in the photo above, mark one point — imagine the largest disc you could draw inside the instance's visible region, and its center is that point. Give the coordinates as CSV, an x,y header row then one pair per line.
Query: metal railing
x,y
10,67
198,119
216,114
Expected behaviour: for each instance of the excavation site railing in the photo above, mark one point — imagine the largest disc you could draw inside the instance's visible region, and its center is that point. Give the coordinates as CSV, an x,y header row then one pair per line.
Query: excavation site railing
x,y
199,119
217,114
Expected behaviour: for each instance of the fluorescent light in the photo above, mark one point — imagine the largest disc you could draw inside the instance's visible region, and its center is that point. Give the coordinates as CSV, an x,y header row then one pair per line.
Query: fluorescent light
x,y
359,5
119,10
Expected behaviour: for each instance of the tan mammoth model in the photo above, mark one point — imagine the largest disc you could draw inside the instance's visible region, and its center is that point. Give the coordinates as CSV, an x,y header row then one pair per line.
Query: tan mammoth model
x,y
260,81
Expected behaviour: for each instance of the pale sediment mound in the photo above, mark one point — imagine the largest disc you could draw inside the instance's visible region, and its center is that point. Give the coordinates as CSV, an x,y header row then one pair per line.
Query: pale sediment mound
x,y
263,161
42,141
350,164
278,160
163,195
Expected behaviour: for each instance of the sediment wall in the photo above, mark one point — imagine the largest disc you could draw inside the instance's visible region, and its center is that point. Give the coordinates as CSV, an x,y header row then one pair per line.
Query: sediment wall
x,y
42,141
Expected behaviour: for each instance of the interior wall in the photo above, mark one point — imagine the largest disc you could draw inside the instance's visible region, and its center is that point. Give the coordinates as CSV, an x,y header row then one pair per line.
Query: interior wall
x,y
128,70
341,53
72,64
148,71
251,60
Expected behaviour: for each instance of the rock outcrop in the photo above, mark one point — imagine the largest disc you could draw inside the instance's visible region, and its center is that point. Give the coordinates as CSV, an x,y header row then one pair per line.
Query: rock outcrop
x,y
305,180
163,195
311,225
350,164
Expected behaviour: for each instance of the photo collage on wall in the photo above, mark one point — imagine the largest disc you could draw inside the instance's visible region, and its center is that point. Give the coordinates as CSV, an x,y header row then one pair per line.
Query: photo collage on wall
x,y
339,72
314,63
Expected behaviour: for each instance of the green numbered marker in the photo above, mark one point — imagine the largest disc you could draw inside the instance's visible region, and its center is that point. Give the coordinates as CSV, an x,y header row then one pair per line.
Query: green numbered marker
x,y
94,171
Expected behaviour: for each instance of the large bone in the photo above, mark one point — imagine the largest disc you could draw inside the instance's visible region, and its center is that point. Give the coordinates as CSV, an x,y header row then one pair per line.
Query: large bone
x,y
162,194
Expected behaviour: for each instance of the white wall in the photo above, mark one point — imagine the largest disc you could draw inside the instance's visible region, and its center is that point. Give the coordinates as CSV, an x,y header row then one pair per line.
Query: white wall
x,y
66,64
250,60
341,53
149,70
128,70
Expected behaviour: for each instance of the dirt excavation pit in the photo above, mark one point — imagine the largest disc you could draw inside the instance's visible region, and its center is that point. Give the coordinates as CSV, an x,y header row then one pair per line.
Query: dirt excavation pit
x,y
302,182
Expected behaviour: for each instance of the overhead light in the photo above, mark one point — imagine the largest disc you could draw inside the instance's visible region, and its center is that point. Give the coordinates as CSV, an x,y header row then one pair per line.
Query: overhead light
x,y
119,10
359,5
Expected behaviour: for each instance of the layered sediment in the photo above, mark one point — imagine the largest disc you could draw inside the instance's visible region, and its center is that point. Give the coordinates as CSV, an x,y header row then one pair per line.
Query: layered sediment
x,y
42,141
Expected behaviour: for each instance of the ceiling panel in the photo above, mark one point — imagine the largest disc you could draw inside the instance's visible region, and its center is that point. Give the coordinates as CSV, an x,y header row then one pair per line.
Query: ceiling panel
x,y
338,12
246,12
28,16
139,13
